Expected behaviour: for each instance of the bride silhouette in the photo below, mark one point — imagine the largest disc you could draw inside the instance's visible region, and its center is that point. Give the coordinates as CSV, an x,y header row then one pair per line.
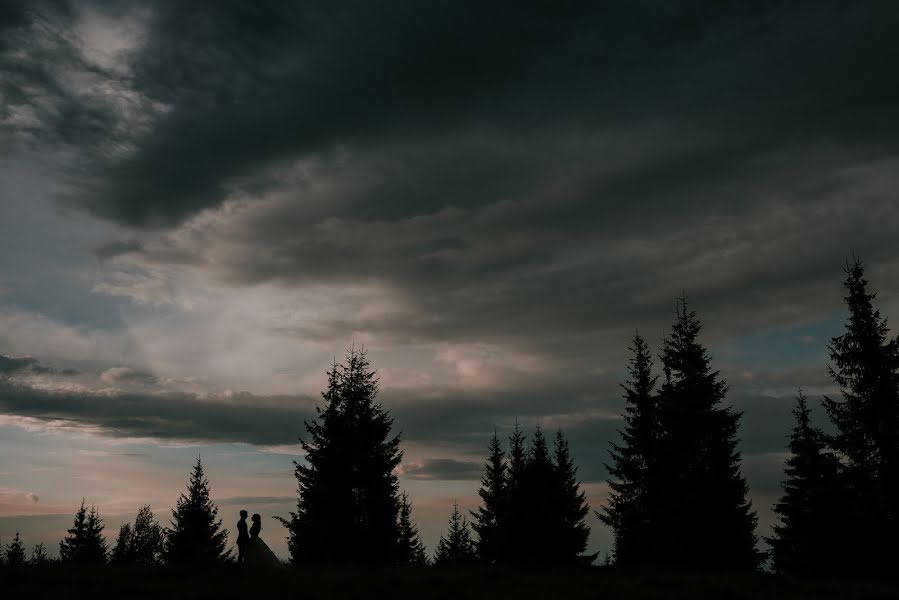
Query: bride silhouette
x,y
258,552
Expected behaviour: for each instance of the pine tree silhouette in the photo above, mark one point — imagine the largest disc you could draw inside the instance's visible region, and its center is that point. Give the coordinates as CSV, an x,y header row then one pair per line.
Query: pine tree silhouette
x,y
120,550
348,494
537,531
489,518
410,549
808,511
15,552
865,364
39,555
456,548
705,519
628,511
570,509
84,542
196,535
515,536
534,512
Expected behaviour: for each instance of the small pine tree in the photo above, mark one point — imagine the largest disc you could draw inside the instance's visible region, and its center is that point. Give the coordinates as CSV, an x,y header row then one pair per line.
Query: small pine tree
x,y
39,555
348,505
627,512
84,542
196,534
456,548
570,509
865,365
122,545
410,549
15,553
803,540
489,518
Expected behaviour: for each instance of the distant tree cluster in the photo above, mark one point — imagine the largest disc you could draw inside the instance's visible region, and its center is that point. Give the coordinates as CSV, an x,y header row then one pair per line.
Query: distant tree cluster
x,y
533,512
84,542
13,554
842,489
195,535
677,496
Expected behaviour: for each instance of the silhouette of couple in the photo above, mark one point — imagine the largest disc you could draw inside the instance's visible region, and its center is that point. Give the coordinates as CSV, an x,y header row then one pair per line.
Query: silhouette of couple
x,y
251,550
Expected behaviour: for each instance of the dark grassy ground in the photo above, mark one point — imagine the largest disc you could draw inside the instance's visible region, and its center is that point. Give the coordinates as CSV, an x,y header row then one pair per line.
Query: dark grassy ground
x,y
58,582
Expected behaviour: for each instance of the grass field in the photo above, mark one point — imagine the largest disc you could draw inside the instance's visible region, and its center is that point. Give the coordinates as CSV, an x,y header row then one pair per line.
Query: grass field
x,y
58,582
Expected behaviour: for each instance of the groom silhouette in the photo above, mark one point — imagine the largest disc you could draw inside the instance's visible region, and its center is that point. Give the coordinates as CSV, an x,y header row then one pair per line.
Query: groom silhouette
x,y
242,538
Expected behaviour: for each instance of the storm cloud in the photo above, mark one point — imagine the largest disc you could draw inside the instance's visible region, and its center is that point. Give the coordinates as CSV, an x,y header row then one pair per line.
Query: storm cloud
x,y
207,197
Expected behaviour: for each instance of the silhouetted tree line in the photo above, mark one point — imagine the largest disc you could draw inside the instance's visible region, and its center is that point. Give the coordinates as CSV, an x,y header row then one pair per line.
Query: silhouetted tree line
x,y
678,498
533,512
842,488
13,554
195,535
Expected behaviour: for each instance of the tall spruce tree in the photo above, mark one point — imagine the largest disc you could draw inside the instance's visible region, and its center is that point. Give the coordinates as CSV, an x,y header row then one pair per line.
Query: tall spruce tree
x,y
803,540
570,509
628,511
514,534
456,548
410,550
15,552
864,363
196,535
84,542
489,518
537,531
348,494
704,520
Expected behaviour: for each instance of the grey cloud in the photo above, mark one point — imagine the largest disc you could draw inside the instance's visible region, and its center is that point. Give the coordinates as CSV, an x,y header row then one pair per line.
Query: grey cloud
x,y
126,375
250,501
443,469
584,406
166,416
617,158
10,365
108,250
465,419
248,89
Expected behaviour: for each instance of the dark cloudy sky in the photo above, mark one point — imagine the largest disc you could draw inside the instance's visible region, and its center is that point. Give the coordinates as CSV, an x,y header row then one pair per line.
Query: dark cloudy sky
x,y
202,203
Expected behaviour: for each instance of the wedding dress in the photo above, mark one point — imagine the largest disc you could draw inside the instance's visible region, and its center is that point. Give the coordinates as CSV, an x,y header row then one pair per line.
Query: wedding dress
x,y
258,552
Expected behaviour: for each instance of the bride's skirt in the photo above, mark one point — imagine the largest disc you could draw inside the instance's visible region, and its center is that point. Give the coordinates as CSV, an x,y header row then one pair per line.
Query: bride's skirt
x,y
259,554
